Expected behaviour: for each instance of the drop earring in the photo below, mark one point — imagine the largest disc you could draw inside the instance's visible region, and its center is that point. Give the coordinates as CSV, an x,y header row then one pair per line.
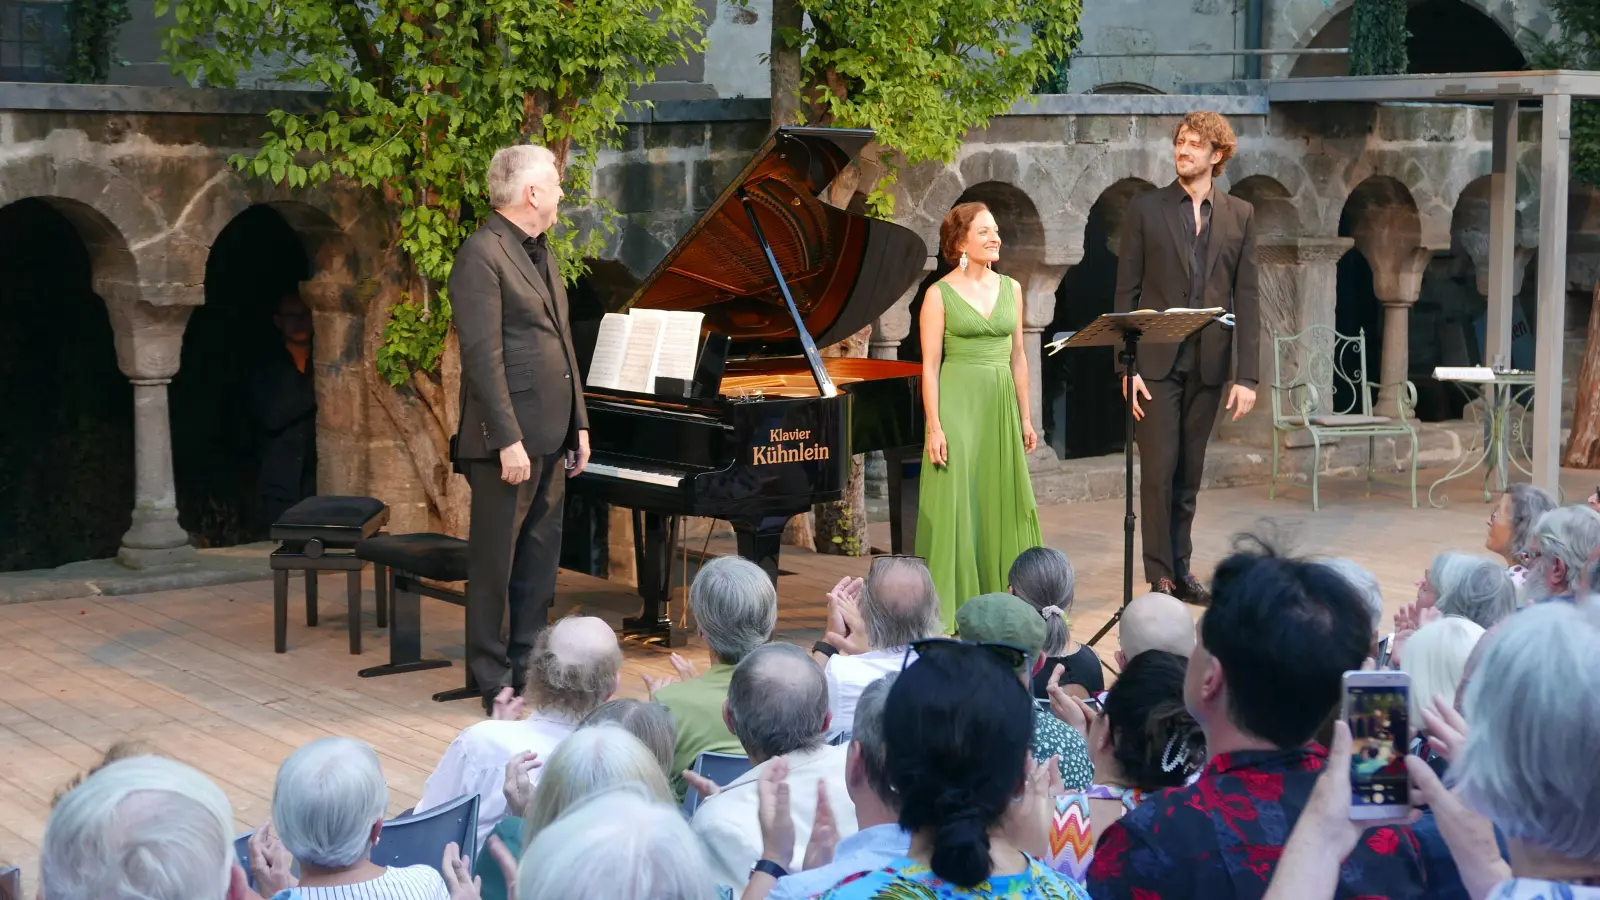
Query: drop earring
x,y
963,261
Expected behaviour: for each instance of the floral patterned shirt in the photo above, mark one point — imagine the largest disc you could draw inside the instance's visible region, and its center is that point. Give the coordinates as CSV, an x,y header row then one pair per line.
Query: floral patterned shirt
x,y
907,879
1220,838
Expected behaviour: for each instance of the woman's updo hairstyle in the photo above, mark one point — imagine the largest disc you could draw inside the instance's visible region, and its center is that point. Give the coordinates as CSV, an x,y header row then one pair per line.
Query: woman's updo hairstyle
x,y
1155,740
953,230
957,725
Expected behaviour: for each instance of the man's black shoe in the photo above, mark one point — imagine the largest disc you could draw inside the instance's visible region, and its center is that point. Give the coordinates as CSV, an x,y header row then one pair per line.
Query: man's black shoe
x,y
1192,591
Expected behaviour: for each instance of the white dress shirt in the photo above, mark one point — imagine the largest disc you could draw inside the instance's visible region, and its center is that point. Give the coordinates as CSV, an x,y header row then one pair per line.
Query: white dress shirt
x,y
848,676
730,825
476,761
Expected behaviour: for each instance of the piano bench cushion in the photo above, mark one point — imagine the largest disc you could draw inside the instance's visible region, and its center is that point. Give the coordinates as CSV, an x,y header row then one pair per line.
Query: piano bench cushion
x,y
436,556
314,516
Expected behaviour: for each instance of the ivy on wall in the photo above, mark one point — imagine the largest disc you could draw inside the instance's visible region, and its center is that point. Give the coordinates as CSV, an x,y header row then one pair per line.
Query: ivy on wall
x,y
1378,37
92,29
1576,46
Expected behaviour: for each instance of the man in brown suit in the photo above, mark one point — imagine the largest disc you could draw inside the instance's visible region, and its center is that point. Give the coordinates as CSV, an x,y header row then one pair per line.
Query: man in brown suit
x,y
1188,244
524,430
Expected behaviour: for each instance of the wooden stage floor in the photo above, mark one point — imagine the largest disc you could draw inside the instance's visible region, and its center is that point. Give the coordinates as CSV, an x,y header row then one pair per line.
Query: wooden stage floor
x,y
191,673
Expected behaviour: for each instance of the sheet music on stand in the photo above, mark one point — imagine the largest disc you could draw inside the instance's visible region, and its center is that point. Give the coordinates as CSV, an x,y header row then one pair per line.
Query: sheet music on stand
x,y
1153,327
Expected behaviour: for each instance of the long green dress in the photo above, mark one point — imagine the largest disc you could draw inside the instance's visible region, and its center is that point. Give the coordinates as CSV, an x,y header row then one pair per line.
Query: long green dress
x,y
977,513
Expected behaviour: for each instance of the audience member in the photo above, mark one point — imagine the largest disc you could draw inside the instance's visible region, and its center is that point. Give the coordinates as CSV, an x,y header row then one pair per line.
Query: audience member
x,y
651,724
879,839
1511,522
143,827
119,750
735,606
1043,576
1436,659
618,845
1460,584
1274,645
327,811
1004,619
778,707
573,668
956,729
1144,740
1154,622
1560,546
870,624
1366,586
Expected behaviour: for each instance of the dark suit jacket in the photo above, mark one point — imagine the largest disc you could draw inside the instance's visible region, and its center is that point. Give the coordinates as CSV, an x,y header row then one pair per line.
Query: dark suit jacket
x,y
520,378
1153,273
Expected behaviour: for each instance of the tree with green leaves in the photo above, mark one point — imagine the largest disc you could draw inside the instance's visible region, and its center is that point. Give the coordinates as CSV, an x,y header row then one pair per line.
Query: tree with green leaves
x,y
421,95
1378,37
922,74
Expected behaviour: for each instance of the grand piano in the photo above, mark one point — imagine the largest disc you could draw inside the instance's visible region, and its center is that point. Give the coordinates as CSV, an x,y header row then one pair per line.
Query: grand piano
x,y
768,426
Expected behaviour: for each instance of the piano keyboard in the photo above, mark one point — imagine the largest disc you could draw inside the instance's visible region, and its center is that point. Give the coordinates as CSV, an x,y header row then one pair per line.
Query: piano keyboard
x,y
665,479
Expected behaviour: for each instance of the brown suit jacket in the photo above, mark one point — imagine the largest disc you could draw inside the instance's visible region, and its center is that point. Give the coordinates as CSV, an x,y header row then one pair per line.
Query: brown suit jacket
x,y
520,379
1153,273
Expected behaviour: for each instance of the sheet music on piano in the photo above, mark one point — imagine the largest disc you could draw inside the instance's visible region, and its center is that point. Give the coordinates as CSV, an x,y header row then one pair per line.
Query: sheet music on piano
x,y
680,344
633,350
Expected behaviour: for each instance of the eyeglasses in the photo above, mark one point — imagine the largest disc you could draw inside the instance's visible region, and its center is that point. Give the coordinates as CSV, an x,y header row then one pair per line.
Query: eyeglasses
x,y
1013,656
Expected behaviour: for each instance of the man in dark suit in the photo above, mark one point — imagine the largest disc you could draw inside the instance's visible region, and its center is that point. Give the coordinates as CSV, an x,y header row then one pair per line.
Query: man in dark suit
x,y
524,430
1188,244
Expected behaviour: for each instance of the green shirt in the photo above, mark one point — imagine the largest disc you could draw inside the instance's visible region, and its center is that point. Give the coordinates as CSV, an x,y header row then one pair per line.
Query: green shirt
x,y
1053,737
696,707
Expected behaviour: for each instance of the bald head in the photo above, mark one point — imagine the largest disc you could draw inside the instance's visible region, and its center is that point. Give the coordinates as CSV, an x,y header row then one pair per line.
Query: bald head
x,y
777,702
574,666
899,603
1155,622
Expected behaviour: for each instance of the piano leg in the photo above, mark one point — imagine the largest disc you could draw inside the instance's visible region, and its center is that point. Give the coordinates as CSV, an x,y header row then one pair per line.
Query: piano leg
x,y
654,536
760,540
903,496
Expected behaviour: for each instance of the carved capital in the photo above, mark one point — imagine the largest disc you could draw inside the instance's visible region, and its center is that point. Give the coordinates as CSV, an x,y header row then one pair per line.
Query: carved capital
x,y
149,339
1292,251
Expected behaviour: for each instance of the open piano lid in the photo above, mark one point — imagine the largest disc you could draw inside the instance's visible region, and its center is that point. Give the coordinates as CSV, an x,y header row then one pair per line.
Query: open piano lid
x,y
843,269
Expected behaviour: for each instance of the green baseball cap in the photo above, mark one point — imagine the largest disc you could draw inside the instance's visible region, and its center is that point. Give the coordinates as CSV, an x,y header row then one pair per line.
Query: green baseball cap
x,y
1001,619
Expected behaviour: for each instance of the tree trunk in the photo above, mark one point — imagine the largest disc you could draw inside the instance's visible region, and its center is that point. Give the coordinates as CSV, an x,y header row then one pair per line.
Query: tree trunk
x,y
1583,449
425,415
787,19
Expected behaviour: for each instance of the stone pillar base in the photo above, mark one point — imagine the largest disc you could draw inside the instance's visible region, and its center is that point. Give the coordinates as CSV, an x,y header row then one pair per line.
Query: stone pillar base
x,y
143,558
155,540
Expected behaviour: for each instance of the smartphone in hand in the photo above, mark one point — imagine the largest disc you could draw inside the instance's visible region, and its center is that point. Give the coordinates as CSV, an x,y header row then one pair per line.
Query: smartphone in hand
x,y
1377,709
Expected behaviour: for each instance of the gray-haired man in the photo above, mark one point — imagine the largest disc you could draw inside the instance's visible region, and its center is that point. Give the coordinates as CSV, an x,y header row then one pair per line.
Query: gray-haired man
x,y
524,430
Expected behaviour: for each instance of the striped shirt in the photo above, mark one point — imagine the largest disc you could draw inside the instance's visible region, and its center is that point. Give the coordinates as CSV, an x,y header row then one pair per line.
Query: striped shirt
x,y
409,883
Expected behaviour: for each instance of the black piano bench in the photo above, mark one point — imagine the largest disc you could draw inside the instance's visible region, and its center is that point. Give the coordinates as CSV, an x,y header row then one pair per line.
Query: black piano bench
x,y
404,560
318,534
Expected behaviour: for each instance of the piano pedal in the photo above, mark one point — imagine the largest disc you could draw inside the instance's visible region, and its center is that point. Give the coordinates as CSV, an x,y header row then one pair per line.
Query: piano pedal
x,y
653,633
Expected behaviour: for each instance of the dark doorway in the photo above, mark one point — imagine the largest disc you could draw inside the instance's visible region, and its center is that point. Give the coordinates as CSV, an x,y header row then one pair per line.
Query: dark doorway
x,y
1356,309
1450,36
66,448
240,400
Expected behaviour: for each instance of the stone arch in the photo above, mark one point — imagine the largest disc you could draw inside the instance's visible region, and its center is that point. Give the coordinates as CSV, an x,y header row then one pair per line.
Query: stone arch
x,y
1021,227
1489,28
1415,184
1276,215
1124,87
67,477
1108,170
1469,227
1002,174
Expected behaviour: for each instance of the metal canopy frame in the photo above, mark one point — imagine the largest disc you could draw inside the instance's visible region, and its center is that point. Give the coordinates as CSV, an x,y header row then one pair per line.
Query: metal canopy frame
x,y
1555,90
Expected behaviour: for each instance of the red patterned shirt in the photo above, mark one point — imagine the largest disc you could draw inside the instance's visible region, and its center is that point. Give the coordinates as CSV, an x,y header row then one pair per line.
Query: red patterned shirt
x,y
1220,838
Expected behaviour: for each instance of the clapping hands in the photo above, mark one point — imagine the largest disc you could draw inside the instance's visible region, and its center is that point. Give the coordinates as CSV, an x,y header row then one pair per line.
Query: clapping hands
x,y
846,629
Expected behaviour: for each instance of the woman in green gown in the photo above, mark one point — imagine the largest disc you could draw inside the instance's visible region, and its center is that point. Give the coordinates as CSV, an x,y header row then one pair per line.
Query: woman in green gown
x,y
977,510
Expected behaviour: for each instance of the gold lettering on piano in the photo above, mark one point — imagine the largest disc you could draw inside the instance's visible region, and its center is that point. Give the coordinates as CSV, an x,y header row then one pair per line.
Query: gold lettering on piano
x,y
796,451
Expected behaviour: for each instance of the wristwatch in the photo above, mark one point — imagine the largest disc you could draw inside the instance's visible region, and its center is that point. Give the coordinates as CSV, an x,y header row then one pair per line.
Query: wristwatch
x,y
825,648
769,867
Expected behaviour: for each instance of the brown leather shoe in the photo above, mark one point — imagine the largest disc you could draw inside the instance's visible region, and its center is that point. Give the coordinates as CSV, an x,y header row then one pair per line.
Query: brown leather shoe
x,y
1164,586
1194,592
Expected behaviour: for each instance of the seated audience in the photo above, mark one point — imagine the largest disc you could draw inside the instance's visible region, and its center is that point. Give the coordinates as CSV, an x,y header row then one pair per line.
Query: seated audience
x,y
327,811
1366,585
1043,576
956,729
1539,668
573,668
618,845
778,707
1154,622
1144,740
1436,659
142,827
1511,522
1004,619
879,839
870,624
652,724
1274,645
1560,546
735,607
1460,584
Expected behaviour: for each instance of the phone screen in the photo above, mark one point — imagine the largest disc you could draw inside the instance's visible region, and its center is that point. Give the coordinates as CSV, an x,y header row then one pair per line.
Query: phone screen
x,y
1379,734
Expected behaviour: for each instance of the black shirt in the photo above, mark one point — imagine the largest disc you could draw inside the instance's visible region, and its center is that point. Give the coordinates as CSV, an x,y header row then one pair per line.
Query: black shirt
x,y
537,248
1199,241
1082,668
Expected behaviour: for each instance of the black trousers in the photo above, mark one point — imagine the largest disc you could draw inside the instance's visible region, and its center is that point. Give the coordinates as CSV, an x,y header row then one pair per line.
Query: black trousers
x,y
513,550
1172,440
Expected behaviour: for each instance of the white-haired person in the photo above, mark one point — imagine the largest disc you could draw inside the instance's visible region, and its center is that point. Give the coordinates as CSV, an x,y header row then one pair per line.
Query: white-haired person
x,y
1525,765
1366,585
1511,524
1560,546
1459,584
142,828
328,807
1043,576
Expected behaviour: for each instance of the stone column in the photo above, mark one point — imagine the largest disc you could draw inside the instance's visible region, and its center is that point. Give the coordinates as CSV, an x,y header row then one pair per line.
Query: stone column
x,y
1397,280
149,340
1039,310
887,332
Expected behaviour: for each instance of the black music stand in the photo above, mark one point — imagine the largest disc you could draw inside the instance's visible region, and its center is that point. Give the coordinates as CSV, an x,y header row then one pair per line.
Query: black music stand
x,y
1126,329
